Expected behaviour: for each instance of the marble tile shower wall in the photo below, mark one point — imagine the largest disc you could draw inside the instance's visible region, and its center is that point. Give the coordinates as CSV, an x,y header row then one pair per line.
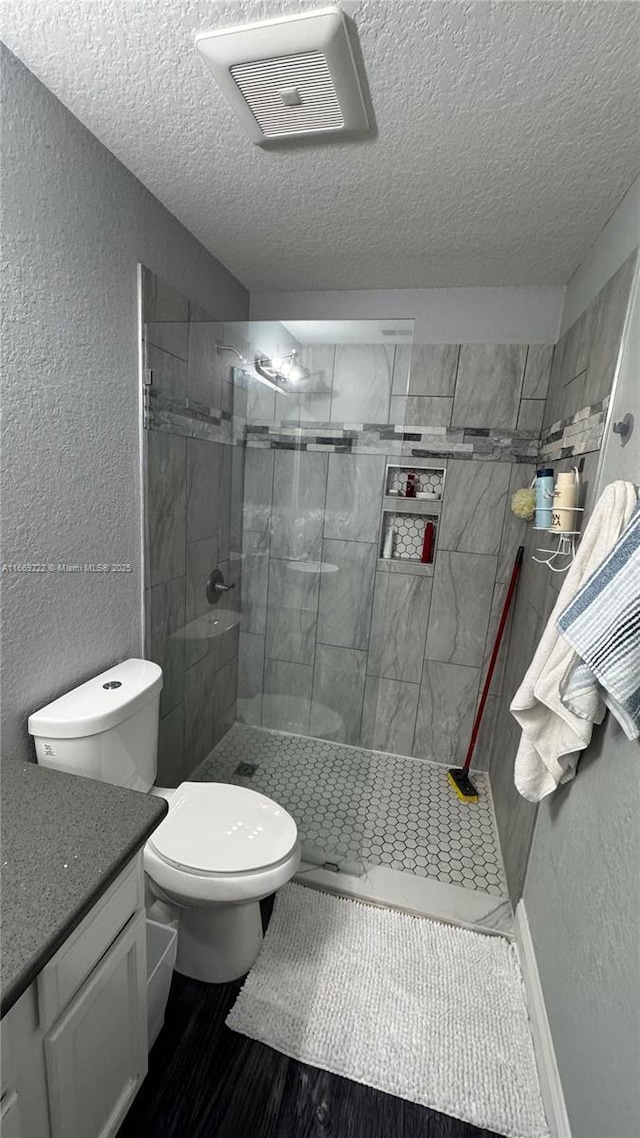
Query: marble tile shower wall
x,y
332,642
193,513
582,375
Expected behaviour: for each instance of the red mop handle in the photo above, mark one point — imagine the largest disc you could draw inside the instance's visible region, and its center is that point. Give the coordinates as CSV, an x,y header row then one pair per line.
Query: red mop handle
x,y
515,573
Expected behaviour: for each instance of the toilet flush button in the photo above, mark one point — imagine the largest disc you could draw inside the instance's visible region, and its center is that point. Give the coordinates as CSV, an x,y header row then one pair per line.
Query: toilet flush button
x,y
113,684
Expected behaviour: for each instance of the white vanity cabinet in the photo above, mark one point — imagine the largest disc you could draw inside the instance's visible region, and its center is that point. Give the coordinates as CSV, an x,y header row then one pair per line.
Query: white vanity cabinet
x,y
74,1046
24,1109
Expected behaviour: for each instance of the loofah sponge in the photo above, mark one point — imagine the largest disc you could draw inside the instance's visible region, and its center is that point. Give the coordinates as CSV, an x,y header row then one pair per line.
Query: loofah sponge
x,y
523,504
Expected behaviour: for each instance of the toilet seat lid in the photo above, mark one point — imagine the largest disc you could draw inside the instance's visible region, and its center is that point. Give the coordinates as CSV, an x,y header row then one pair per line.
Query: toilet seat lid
x,y
213,827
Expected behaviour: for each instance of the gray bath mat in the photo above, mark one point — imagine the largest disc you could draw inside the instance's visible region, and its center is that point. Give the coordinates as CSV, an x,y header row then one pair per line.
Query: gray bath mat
x,y
425,1011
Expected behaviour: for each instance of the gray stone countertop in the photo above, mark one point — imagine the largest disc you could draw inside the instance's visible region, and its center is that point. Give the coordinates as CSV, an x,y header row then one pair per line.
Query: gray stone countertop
x,y
65,839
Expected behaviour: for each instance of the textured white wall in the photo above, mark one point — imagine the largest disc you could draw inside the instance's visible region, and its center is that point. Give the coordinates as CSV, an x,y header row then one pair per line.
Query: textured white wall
x,y
506,134
581,890
611,248
75,225
443,315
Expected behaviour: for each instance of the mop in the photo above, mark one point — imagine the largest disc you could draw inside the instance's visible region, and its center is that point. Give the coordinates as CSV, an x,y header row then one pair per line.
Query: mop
x,y
459,776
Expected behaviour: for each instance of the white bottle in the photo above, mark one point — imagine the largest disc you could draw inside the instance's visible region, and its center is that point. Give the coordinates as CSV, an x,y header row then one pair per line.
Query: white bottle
x,y
565,500
387,549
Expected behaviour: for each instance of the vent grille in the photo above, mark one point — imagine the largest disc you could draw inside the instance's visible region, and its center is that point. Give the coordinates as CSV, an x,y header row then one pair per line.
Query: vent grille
x,y
264,81
290,77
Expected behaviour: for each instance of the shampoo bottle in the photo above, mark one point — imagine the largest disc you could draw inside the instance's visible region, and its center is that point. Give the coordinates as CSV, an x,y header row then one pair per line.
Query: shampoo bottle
x,y
427,544
387,549
565,500
544,497
412,482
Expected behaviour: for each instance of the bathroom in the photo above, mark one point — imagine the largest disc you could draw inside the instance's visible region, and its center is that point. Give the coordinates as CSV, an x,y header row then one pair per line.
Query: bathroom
x,y
324,380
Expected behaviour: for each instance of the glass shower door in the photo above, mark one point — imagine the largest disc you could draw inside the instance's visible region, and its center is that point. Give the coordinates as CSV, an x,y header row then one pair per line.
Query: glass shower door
x,y
326,473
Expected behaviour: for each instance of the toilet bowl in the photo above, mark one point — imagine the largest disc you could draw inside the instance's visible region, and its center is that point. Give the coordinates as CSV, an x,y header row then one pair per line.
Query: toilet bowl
x,y
219,851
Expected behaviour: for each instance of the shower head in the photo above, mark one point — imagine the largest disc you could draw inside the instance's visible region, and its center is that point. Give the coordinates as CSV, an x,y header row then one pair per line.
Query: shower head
x,y
273,371
285,368
251,369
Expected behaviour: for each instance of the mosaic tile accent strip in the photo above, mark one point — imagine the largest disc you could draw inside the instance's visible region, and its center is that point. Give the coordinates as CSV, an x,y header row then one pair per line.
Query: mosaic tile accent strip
x,y
480,443
354,805
192,420
578,434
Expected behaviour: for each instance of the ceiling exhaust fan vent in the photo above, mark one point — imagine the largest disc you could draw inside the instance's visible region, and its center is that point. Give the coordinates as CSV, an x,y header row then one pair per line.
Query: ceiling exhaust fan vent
x,y
291,95
290,77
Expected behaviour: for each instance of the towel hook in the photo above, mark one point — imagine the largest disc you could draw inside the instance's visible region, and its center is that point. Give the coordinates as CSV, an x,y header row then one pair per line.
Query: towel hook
x,y
566,547
624,428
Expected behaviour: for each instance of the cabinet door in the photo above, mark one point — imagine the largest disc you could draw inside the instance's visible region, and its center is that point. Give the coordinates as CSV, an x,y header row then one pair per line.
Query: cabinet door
x,y
24,1106
96,1053
74,962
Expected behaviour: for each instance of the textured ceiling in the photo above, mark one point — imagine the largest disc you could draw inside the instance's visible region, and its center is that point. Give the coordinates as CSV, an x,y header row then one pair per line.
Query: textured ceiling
x,y
506,134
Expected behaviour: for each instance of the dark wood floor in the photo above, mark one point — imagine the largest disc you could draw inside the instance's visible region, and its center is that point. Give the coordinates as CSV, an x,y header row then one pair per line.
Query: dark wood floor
x,y
205,1081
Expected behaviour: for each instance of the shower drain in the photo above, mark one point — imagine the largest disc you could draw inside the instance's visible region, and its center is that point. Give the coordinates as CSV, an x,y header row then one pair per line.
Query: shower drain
x,y
246,770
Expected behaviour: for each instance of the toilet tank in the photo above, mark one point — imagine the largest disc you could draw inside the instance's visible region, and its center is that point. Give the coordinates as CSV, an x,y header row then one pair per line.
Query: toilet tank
x,y
106,729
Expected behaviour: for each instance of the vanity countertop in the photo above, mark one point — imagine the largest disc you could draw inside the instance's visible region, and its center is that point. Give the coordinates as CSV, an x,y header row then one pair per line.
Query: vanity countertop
x,y
65,838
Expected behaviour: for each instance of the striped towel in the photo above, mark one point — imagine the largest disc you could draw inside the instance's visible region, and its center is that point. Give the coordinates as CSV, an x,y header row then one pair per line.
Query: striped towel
x,y
602,625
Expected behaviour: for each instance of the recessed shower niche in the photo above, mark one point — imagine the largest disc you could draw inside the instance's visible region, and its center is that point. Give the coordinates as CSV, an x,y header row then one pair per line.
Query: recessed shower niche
x,y
428,480
410,514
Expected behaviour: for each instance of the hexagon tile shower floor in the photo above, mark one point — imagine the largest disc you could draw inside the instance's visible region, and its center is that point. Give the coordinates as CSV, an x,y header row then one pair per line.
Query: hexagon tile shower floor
x,y
353,805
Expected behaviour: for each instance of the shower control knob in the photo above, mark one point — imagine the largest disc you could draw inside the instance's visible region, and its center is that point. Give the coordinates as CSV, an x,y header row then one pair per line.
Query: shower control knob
x,y
216,587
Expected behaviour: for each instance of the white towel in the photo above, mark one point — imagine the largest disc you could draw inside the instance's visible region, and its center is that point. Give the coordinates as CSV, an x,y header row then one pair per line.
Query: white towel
x,y
553,734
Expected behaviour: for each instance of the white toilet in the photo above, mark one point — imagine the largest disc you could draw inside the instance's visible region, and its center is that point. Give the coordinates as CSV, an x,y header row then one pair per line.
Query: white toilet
x,y
220,849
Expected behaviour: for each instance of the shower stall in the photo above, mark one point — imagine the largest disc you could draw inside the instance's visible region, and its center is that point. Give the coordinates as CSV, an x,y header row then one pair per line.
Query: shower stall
x,y
328,547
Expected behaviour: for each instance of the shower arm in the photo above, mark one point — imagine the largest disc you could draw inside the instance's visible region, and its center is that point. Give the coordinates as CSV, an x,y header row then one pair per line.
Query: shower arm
x,y
220,347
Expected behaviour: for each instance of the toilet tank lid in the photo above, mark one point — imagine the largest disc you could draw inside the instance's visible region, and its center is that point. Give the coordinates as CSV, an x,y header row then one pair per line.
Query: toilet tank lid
x,y
101,703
